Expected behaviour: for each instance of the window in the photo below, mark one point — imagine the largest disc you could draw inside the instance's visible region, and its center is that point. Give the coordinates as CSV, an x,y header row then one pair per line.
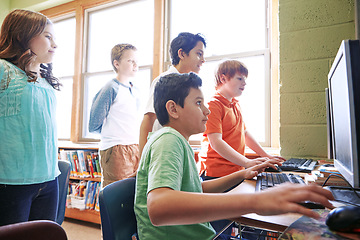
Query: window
x,y
233,29
63,69
129,22
237,30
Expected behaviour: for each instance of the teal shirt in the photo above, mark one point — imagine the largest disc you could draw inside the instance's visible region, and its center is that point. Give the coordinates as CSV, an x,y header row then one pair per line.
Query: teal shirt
x,y
167,161
28,145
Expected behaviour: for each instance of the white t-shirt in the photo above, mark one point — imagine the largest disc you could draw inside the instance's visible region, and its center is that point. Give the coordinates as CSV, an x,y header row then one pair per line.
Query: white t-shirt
x,y
150,103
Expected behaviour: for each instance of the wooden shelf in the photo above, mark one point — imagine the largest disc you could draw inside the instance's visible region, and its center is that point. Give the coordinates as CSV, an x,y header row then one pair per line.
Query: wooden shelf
x,y
87,179
83,215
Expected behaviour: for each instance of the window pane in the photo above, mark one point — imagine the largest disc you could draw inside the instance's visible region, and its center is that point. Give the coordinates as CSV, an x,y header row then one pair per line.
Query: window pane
x,y
64,104
63,68
229,26
63,63
94,83
252,101
131,22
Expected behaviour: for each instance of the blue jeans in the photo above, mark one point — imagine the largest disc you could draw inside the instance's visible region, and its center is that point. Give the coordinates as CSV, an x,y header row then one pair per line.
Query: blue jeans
x,y
21,203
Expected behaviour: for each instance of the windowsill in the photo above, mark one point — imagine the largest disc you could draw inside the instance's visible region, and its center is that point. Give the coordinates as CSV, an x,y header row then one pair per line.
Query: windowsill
x,y
248,151
84,145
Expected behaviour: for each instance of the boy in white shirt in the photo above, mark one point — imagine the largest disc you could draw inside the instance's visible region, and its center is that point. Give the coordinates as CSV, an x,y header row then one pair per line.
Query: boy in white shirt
x,y
114,114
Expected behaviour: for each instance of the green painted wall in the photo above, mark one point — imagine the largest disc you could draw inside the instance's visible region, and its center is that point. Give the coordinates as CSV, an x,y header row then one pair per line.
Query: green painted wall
x,y
310,35
4,9
35,5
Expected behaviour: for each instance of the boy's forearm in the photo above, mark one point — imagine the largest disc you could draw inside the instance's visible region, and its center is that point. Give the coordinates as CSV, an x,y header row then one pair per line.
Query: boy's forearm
x,y
192,208
170,207
226,151
219,185
254,145
145,128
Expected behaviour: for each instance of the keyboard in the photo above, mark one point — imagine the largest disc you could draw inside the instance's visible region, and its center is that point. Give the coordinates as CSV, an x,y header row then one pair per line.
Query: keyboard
x,y
299,165
268,179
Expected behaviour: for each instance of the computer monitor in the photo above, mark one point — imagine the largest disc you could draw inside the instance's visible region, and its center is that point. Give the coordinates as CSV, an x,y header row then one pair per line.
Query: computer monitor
x,y
330,151
344,96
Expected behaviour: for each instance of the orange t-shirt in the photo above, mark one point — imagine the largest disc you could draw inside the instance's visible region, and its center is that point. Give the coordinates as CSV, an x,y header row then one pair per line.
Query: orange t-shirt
x,y
225,118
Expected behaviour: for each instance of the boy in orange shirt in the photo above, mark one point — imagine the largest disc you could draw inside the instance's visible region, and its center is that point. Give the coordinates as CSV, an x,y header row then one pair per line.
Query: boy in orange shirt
x,y
225,137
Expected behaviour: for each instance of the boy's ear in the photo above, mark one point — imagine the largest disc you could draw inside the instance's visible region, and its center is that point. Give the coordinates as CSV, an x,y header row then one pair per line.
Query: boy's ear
x,y
116,64
172,110
181,53
223,78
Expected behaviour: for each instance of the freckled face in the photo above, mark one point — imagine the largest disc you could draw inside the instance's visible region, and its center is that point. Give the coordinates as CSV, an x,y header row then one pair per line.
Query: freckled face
x,y
234,86
44,45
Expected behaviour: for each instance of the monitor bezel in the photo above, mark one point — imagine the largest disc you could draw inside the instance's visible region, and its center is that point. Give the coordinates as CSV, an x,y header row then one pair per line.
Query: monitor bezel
x,y
344,53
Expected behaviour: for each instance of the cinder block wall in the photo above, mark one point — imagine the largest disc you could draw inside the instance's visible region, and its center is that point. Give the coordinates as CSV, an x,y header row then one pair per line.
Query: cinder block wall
x,y
310,34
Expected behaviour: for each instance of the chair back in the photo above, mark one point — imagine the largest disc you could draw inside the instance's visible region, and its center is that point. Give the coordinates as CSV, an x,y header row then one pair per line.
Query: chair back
x,y
63,182
116,200
33,230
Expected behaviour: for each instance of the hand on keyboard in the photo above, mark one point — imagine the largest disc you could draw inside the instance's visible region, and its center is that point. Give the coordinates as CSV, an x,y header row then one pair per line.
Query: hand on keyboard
x,y
256,161
285,198
253,171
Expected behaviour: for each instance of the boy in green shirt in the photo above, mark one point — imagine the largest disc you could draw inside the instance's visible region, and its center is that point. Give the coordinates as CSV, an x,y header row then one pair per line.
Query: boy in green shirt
x,y
170,200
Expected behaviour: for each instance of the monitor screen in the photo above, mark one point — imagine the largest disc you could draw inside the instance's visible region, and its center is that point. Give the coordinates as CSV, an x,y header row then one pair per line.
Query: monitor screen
x,y
344,110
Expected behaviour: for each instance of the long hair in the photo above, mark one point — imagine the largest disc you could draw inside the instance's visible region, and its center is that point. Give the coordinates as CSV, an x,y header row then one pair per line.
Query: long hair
x,y
18,28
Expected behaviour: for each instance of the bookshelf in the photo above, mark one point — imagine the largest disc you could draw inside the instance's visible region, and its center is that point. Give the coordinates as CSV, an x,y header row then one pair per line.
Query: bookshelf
x,y
84,184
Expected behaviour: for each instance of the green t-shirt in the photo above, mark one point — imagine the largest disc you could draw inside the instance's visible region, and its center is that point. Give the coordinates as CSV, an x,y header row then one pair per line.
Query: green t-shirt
x,y
167,161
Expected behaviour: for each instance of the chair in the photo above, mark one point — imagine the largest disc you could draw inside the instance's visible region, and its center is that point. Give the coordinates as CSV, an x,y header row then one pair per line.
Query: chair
x,y
116,200
63,182
33,230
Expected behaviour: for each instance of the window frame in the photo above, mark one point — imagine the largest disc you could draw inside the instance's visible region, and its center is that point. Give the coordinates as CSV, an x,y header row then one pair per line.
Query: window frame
x,y
267,57
161,42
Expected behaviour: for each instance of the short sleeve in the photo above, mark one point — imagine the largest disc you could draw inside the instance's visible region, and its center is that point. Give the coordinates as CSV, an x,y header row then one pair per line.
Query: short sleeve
x,y
166,164
214,123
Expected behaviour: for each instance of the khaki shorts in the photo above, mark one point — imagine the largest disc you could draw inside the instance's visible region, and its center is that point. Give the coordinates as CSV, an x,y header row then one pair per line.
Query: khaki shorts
x,y
118,162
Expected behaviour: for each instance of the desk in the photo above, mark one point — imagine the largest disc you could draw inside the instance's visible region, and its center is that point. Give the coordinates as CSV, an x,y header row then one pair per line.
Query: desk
x,y
277,223
273,223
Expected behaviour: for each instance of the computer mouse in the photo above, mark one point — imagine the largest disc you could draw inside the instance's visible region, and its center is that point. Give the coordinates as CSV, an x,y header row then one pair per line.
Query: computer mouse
x,y
344,219
269,169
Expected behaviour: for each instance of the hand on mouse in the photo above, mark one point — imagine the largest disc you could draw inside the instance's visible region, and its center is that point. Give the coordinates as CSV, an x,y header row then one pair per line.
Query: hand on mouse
x,y
285,198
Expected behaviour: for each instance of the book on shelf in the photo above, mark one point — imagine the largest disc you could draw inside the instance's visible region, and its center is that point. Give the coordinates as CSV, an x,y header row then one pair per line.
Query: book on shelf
x,y
84,195
83,166
84,163
95,157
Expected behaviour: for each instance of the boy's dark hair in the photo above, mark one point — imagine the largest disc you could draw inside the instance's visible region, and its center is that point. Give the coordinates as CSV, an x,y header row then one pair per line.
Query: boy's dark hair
x,y
185,41
176,87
